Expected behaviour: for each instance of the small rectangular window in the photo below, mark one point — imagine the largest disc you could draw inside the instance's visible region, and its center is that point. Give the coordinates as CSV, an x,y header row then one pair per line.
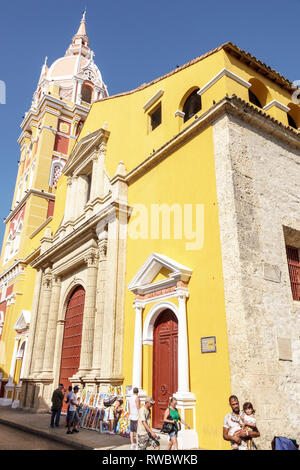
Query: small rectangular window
x,y
155,118
294,270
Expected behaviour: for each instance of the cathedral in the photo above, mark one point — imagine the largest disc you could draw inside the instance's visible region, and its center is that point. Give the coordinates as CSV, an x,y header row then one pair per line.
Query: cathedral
x,y
154,242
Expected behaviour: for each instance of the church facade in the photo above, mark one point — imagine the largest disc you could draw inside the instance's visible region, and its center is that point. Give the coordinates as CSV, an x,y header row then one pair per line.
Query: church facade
x,y
170,261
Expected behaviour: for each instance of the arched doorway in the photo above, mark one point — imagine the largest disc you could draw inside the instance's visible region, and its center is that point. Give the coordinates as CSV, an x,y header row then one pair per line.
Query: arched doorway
x,y
165,363
71,346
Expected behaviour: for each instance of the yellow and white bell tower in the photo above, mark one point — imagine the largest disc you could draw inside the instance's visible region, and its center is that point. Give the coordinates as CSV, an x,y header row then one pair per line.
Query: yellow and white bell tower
x,y
60,105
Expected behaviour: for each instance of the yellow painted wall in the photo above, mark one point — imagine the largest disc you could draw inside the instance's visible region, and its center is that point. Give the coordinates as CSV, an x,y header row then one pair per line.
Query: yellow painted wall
x,y
187,177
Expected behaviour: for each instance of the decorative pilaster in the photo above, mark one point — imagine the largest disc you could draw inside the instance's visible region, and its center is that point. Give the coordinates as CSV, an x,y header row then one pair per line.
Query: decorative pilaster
x,y
86,356
68,199
97,188
183,353
43,320
52,323
100,307
79,88
138,347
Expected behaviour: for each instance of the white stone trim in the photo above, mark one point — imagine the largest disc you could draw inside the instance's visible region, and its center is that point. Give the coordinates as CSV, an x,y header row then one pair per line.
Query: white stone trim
x,y
151,317
179,113
23,321
142,281
153,100
221,74
277,104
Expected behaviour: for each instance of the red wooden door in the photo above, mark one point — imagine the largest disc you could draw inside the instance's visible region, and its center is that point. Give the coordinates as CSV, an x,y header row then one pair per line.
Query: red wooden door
x,y
71,346
165,363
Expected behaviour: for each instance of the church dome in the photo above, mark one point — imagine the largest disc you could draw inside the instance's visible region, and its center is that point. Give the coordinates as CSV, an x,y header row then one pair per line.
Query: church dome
x,y
76,73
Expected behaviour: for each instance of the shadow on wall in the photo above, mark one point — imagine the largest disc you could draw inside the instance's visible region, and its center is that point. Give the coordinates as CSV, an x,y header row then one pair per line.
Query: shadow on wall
x,y
30,399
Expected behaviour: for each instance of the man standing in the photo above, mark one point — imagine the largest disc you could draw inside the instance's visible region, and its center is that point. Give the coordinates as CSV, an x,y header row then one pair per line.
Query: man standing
x,y
70,391
134,405
233,423
57,402
73,415
146,437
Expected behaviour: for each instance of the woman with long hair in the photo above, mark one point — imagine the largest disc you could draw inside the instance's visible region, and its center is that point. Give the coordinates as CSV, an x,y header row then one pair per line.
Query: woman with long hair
x,y
172,416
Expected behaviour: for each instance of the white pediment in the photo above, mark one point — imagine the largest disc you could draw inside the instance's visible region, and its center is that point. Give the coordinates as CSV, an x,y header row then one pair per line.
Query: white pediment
x,y
84,149
23,321
142,281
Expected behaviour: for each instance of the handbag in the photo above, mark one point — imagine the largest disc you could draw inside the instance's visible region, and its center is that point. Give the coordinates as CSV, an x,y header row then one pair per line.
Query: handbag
x,y
167,428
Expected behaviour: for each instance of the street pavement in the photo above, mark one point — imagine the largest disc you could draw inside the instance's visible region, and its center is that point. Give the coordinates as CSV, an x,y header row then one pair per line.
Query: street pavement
x,y
14,439
39,425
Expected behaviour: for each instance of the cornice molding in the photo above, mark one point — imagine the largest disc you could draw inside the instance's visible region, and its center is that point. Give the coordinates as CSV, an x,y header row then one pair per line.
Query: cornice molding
x,y
34,192
153,100
222,73
278,105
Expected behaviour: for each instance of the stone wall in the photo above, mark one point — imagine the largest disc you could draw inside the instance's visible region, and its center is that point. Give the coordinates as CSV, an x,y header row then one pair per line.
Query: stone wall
x,y
258,187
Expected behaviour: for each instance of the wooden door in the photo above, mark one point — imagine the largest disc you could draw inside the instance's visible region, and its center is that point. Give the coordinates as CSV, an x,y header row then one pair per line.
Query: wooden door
x,y
165,363
70,357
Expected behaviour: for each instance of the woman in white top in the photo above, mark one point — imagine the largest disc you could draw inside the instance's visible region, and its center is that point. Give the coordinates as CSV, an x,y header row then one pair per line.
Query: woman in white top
x,y
133,408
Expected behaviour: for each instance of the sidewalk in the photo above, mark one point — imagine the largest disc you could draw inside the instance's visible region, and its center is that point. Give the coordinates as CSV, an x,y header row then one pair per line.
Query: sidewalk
x,y
39,424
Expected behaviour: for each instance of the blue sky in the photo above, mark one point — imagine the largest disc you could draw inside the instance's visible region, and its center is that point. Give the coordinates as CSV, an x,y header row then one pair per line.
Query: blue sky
x,y
134,42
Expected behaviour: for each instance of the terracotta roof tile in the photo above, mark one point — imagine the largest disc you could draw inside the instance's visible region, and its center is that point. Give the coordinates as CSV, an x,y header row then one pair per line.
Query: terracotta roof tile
x,y
242,55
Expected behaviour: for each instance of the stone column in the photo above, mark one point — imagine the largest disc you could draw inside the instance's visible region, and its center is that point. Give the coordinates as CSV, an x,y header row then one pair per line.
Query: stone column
x,y
137,366
51,329
87,342
100,307
43,321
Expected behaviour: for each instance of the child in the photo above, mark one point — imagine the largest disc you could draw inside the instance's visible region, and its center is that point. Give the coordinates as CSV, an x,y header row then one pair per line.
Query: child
x,y
249,422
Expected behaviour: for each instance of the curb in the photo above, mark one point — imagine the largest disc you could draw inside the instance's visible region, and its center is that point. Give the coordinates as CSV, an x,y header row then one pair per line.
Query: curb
x,y
47,435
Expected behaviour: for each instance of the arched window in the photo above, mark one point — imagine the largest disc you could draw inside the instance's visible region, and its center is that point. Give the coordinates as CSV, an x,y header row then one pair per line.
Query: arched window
x,y
259,94
192,105
254,100
8,248
56,171
86,94
18,237
293,115
291,122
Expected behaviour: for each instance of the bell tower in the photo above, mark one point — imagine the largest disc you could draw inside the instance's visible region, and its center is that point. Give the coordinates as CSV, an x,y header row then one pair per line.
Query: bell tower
x,y
61,102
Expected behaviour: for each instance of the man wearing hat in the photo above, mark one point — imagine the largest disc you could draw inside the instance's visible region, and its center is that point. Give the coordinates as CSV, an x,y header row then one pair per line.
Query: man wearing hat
x,y
57,402
73,415
146,436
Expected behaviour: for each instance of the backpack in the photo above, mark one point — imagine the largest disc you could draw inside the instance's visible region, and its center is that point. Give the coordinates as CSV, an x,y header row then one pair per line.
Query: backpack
x,y
282,443
107,402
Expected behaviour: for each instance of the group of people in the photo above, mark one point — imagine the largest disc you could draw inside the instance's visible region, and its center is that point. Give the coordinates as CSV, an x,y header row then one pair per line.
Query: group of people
x,y
239,427
140,429
57,404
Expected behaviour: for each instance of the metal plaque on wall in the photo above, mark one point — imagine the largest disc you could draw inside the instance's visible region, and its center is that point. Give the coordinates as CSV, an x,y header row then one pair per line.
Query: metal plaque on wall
x,y
208,344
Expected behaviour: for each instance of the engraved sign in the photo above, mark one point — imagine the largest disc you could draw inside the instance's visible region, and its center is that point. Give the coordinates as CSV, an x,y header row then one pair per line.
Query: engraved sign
x,y
284,349
208,344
